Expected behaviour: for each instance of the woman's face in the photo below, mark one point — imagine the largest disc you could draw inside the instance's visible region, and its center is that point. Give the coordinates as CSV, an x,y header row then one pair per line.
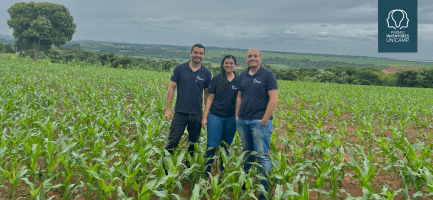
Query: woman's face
x,y
229,65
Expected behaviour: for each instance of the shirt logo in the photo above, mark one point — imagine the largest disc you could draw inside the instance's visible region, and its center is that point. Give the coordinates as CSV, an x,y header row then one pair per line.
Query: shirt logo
x,y
256,81
200,79
234,88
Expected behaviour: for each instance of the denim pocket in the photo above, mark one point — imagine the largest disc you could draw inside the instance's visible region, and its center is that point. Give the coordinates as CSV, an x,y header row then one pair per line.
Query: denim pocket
x,y
260,124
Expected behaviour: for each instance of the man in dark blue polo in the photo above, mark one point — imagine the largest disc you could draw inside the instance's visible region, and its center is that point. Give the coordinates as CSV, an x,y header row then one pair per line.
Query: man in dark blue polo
x,y
255,103
190,79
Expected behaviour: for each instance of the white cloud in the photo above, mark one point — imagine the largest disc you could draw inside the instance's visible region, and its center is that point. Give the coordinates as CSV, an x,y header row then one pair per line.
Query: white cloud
x,y
336,31
170,19
364,9
290,32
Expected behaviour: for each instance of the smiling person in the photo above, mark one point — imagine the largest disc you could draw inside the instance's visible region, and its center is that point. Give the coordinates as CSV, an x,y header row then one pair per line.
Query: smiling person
x,y
255,103
219,112
190,79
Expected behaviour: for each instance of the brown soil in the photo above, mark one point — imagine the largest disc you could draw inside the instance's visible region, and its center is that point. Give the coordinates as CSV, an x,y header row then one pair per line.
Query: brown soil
x,y
396,69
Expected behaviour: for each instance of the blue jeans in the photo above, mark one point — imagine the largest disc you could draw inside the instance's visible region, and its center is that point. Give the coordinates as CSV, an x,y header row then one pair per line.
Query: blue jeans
x,y
218,129
256,137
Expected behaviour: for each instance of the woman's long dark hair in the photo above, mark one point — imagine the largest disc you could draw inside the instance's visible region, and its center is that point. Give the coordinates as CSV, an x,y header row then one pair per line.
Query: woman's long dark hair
x,y
224,81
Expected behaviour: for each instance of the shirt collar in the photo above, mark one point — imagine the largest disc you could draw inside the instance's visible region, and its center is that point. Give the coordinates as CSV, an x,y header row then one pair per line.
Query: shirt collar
x,y
257,73
189,68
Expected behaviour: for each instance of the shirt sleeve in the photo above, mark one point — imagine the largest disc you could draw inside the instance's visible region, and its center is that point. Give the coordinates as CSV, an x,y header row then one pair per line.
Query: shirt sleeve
x,y
176,74
213,85
271,82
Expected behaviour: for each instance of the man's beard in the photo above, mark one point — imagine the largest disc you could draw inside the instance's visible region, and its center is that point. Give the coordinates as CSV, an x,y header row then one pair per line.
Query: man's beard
x,y
194,60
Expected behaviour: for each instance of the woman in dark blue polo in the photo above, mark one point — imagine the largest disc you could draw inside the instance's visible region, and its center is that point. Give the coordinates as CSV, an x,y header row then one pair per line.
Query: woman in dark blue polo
x,y
219,113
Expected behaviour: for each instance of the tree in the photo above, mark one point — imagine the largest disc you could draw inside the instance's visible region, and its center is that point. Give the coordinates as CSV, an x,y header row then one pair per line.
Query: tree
x,y
1,47
166,65
409,78
40,25
76,46
107,58
326,77
8,48
122,61
428,78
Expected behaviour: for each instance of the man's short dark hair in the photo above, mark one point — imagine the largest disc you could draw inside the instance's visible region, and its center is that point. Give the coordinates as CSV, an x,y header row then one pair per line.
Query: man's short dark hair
x,y
199,46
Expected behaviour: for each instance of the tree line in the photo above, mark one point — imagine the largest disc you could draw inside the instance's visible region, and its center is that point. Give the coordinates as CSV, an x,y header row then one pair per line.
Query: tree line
x,y
76,54
340,74
421,78
7,48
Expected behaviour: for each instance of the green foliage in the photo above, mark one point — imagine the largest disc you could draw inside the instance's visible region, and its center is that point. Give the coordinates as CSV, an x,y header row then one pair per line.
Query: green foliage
x,y
123,62
6,48
76,46
64,55
107,59
387,79
40,25
415,78
330,77
428,78
285,74
352,75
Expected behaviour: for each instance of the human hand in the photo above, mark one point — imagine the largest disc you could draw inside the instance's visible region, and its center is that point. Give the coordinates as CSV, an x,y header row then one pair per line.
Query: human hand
x,y
167,115
263,122
203,122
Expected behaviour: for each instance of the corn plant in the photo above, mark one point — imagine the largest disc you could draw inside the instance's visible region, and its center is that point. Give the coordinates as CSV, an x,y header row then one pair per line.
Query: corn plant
x,y
385,194
413,164
41,191
366,173
14,173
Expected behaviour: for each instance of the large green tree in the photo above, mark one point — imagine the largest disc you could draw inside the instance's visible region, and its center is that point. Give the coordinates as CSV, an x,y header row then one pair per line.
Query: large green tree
x,y
40,25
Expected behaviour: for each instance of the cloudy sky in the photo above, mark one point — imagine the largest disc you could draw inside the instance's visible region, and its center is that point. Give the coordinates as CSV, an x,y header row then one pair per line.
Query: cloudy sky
x,y
344,27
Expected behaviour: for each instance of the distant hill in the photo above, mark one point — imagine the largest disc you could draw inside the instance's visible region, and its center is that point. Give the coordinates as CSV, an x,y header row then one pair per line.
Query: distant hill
x,y
6,39
214,56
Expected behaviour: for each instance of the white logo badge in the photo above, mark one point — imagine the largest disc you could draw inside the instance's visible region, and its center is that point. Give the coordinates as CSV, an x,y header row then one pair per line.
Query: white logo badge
x,y
400,23
234,88
256,81
200,79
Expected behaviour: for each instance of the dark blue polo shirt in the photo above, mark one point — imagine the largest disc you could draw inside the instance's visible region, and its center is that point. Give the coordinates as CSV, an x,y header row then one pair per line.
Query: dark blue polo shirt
x,y
254,90
224,102
190,87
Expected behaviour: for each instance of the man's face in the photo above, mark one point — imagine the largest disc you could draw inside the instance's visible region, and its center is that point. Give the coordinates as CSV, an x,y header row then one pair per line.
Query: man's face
x,y
253,58
197,55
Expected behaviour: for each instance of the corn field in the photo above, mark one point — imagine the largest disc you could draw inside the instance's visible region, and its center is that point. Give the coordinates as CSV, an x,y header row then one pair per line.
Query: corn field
x,y
76,131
